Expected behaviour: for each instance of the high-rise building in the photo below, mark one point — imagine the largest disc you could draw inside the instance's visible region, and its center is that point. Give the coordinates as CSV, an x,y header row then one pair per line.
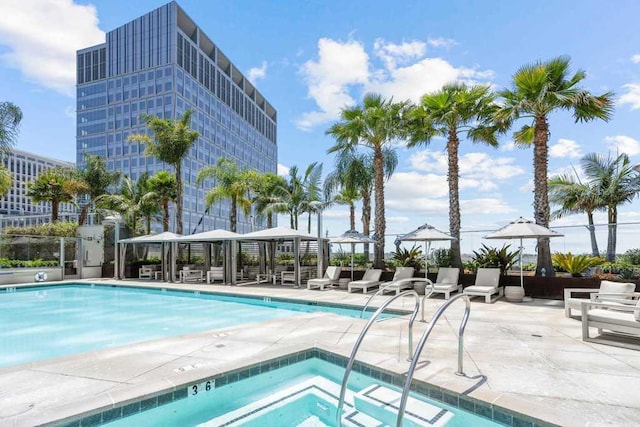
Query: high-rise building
x,y
163,64
16,208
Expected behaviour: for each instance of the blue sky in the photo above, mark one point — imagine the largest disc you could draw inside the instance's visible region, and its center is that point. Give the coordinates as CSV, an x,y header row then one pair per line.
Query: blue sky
x,y
311,58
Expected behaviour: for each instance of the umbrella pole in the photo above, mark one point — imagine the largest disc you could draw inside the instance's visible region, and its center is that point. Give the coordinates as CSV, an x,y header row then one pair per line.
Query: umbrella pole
x,y
427,248
353,249
521,273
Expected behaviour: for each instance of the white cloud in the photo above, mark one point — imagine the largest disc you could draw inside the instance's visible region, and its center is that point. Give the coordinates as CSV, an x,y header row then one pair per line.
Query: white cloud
x,y
42,37
484,207
441,42
335,213
623,144
257,73
339,65
345,67
635,59
508,146
283,170
632,96
565,148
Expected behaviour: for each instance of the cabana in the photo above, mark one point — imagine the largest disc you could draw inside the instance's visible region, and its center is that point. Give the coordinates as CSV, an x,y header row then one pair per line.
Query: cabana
x,y
164,239
281,234
208,238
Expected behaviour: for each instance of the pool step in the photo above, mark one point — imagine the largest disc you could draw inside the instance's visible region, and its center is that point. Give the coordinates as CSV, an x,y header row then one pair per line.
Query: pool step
x,y
382,403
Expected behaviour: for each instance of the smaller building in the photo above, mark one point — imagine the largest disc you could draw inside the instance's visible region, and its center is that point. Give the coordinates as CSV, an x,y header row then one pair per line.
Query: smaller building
x,y
16,207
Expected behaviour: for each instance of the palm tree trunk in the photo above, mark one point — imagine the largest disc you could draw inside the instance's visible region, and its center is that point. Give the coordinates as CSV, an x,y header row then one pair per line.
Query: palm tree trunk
x,y
592,234
233,214
352,216
291,220
381,226
179,200
309,223
54,209
541,195
366,220
612,220
165,219
148,221
269,220
454,197
84,212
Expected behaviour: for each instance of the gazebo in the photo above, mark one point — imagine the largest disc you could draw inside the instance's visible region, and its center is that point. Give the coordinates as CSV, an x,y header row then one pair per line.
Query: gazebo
x,y
163,238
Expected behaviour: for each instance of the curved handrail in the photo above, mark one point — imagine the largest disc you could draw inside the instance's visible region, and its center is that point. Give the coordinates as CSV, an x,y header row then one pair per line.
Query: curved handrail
x,y
407,383
384,288
427,295
364,331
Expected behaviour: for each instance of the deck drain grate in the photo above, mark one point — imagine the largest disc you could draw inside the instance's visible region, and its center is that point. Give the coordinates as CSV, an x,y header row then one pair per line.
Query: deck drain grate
x,y
220,345
536,335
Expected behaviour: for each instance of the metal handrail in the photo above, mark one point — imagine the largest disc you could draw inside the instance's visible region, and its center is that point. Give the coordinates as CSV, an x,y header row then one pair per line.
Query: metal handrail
x,y
427,295
366,328
423,340
384,288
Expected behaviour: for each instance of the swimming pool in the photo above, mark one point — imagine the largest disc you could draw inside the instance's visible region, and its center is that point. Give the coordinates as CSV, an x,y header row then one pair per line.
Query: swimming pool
x,y
300,394
50,321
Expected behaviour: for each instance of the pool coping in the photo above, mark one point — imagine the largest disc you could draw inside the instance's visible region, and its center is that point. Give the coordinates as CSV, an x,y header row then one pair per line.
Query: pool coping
x,y
134,405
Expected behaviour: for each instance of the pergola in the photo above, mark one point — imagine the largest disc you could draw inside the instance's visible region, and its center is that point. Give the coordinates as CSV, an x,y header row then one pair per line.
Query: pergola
x,y
163,238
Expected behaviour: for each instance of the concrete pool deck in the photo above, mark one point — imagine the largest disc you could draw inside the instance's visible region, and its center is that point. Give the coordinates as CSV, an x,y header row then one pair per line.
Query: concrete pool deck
x,y
533,358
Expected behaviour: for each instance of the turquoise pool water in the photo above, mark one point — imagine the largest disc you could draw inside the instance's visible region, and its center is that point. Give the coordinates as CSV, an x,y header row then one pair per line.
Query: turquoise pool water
x,y
302,394
50,321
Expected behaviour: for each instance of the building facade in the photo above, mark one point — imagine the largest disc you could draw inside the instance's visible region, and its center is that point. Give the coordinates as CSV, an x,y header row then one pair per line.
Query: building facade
x,y
16,208
163,64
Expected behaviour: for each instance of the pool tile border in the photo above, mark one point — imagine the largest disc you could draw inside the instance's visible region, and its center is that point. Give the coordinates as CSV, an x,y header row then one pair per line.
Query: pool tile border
x,y
486,410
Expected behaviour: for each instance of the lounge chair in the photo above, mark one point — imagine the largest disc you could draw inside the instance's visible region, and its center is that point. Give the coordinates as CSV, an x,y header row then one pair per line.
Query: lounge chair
x,y
215,273
331,275
621,320
371,279
402,280
447,282
487,283
608,292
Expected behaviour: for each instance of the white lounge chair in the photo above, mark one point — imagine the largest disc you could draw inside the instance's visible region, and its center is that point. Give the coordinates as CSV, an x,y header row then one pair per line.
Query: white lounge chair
x,y
487,284
371,279
331,275
215,273
402,280
447,282
608,292
621,320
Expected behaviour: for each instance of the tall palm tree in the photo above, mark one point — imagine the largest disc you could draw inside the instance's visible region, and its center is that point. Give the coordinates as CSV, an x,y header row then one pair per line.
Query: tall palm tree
x,y
453,111
355,169
374,125
538,90
616,183
97,180
348,196
163,189
574,196
264,188
231,182
56,185
171,142
10,118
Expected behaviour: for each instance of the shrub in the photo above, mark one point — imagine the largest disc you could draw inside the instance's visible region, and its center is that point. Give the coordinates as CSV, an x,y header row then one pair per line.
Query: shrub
x,y
577,264
488,257
443,257
408,258
632,256
55,229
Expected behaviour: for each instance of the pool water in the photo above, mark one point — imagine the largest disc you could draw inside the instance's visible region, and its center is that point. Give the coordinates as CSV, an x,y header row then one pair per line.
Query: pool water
x,y
44,322
303,394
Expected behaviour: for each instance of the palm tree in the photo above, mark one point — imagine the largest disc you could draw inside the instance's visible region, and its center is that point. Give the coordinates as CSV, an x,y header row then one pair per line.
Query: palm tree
x,y
10,118
299,193
5,180
455,110
538,90
375,124
616,183
574,196
163,189
56,185
170,144
231,182
355,169
264,188
348,196
97,180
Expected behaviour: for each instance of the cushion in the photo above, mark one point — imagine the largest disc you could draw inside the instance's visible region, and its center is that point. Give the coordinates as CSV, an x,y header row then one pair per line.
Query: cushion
x,y
636,314
608,287
612,317
481,289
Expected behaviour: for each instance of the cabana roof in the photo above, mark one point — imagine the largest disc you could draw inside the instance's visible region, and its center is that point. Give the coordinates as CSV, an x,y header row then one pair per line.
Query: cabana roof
x,y
152,238
211,235
276,233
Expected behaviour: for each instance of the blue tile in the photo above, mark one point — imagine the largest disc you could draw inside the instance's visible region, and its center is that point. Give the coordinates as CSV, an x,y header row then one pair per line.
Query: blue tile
x,y
466,404
519,422
165,398
132,408
450,398
502,417
92,420
180,393
111,414
483,410
148,403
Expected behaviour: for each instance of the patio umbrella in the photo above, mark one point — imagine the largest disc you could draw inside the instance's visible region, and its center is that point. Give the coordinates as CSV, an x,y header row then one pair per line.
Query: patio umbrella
x,y
522,229
427,234
353,237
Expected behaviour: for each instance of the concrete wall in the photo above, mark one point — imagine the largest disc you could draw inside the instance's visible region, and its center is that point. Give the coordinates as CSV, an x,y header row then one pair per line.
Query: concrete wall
x,y
91,272
15,276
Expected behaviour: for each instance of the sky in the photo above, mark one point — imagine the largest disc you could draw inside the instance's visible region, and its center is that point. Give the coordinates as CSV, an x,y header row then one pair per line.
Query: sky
x,y
312,58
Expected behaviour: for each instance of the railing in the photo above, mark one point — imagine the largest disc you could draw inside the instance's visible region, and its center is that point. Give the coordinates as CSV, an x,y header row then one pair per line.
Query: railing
x,y
356,346
384,288
423,340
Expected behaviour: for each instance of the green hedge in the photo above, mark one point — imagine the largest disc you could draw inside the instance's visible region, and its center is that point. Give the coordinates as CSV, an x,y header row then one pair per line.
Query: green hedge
x,y
21,263
56,229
